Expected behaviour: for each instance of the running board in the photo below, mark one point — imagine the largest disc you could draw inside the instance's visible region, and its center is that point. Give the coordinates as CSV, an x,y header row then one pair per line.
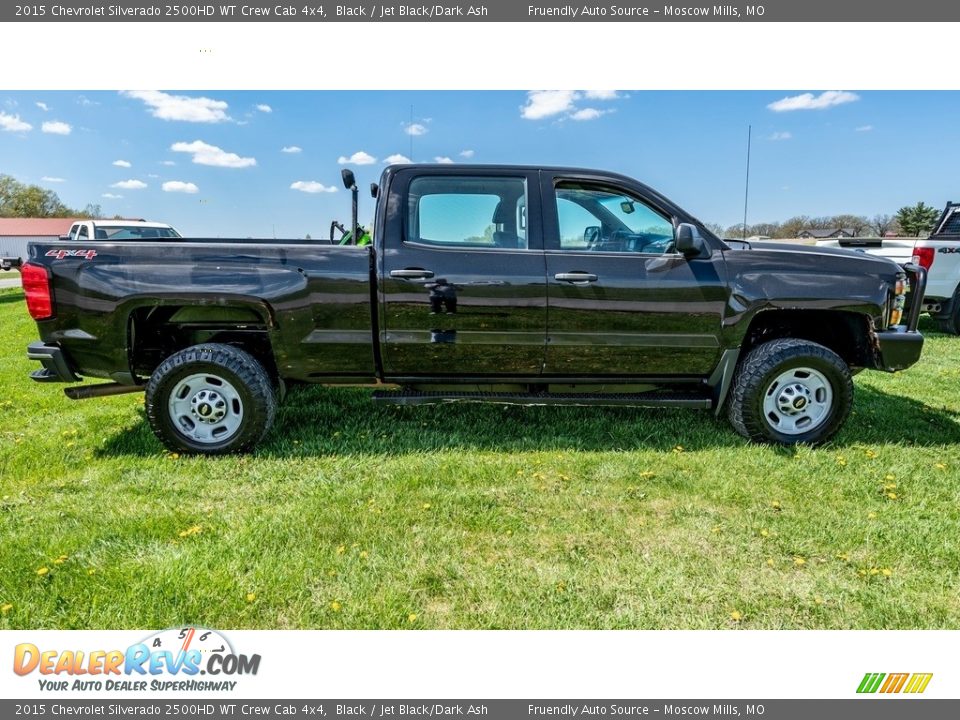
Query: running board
x,y
650,399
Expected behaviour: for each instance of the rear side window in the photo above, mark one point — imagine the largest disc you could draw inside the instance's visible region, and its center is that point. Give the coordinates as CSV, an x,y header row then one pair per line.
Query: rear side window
x,y
82,233
467,212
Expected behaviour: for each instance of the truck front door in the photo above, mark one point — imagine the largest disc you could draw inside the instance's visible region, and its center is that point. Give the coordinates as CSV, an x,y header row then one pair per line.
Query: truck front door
x,y
463,280
621,300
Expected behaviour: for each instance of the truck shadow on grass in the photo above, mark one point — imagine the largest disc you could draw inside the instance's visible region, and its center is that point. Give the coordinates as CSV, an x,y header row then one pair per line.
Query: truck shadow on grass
x,y
318,421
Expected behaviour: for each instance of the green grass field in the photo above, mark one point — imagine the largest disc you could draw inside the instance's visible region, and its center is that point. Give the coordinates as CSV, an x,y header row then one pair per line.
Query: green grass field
x,y
353,515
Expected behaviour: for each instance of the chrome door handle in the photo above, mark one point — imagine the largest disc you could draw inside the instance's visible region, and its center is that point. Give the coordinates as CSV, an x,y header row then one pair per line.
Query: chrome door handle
x,y
412,274
576,277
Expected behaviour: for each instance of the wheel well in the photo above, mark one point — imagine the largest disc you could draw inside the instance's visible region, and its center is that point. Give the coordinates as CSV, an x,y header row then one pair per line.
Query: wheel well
x,y
850,335
157,332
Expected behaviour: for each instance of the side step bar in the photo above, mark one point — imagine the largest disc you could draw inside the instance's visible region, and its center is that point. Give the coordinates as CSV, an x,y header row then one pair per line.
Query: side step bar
x,y
649,399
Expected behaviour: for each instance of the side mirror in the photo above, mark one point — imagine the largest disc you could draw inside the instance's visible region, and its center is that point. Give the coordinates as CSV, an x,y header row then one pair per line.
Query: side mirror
x,y
689,242
374,190
348,179
591,234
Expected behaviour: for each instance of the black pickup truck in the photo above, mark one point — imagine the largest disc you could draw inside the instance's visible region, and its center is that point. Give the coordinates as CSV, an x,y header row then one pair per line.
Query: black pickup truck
x,y
528,285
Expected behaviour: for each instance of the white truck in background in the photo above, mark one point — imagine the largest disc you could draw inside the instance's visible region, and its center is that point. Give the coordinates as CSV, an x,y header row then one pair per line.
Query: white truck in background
x,y
121,230
939,254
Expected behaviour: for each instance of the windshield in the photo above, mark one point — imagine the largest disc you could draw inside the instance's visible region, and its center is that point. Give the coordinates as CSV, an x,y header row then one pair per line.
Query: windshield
x,y
134,232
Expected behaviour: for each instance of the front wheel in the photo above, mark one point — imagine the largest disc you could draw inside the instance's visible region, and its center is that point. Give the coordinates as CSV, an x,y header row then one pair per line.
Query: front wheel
x,y
790,391
210,399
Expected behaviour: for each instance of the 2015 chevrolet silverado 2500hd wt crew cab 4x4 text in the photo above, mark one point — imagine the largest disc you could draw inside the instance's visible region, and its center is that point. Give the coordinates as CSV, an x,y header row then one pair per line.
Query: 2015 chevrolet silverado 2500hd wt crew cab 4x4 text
x,y
490,283
938,254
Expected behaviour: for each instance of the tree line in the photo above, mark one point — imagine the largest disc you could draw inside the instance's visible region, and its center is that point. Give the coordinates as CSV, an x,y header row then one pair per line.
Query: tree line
x,y
32,201
909,221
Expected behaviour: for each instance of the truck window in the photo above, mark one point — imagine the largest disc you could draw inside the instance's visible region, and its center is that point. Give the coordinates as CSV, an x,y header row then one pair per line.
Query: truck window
x,y
476,212
82,233
603,219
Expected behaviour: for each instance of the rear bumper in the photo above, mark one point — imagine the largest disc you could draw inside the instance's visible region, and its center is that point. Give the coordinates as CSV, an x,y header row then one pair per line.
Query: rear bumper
x,y
899,348
55,368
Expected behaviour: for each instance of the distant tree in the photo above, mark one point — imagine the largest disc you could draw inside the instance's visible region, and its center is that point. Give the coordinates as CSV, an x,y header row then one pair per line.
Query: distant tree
x,y
92,211
737,232
308,237
20,200
794,226
856,223
917,219
767,229
882,224
715,228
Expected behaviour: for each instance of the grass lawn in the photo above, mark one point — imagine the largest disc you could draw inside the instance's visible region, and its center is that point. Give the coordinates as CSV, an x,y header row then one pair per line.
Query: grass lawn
x,y
353,515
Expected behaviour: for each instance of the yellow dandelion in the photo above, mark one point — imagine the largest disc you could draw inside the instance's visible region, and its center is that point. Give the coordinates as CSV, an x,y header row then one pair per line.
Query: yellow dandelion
x,y
426,506
519,472
647,474
841,461
251,597
874,571
92,571
887,572
43,571
5,608
715,529
335,606
890,486
872,515
364,554
889,478
799,561
764,532
561,587
736,616
412,618
678,449
843,556
776,505
173,456
60,560
940,466
770,562
355,545
341,550
332,573
870,454
862,573
892,495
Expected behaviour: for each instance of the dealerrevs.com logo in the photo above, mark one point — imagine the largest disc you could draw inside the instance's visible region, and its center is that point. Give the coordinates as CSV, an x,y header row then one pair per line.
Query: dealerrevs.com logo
x,y
179,659
909,683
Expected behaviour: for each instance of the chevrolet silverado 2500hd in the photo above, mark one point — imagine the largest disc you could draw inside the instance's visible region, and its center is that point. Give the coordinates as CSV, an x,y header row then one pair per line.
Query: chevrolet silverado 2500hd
x,y
508,284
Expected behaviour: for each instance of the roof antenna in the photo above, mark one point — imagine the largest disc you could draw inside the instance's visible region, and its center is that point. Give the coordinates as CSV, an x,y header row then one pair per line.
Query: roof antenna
x,y
410,133
746,189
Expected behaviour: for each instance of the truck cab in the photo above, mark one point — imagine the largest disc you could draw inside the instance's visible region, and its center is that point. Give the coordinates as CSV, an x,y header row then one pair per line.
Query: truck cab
x,y
117,230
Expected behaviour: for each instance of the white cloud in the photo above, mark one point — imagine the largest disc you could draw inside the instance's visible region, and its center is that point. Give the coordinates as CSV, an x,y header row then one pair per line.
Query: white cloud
x,y
264,108
205,154
809,101
358,158
397,159
785,135
181,107
587,114
56,127
415,129
443,160
864,128
180,187
85,101
122,163
152,175
111,196
602,95
47,178
467,154
43,106
169,163
312,186
547,103
293,149
13,123
129,185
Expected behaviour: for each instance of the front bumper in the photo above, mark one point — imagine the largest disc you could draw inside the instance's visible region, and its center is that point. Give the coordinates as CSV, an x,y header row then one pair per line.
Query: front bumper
x,y
55,368
899,348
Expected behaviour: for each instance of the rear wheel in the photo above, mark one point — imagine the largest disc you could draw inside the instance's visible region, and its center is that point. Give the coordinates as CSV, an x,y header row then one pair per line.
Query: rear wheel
x,y
210,399
790,391
950,323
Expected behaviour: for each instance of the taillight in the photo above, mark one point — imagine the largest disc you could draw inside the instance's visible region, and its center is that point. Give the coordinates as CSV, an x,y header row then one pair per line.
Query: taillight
x,y
37,291
923,256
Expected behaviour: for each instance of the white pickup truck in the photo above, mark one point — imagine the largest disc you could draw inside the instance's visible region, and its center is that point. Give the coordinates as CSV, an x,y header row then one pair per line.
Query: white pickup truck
x,y
121,230
939,254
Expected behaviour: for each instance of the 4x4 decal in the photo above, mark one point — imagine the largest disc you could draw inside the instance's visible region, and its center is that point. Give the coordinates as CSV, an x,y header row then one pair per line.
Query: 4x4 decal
x,y
61,253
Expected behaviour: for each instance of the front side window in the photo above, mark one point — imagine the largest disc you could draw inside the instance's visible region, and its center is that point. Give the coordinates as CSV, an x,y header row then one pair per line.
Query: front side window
x,y
593,218
469,212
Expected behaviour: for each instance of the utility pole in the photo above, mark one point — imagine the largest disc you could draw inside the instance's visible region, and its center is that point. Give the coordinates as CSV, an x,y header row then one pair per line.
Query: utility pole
x,y
746,189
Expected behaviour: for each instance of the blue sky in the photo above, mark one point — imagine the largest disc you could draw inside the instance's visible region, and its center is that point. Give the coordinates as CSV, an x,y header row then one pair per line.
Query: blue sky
x,y
814,152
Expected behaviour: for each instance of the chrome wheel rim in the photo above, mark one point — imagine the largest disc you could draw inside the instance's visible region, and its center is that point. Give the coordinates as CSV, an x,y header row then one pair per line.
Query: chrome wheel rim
x,y
797,401
205,408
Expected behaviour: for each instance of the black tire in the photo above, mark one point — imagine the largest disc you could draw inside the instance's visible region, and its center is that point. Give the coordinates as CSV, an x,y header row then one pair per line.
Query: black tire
x,y
248,401
950,324
759,379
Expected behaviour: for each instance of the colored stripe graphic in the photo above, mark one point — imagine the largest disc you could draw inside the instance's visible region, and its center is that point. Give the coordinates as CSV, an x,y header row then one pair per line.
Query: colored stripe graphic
x,y
894,682
918,682
870,682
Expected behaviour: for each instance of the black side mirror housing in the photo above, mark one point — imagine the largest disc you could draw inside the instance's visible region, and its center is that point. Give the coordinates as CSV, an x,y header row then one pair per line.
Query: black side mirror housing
x,y
374,190
689,242
348,179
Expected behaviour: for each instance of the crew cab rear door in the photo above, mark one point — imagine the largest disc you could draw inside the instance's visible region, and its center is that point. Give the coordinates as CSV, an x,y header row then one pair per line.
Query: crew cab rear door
x,y
463,280
621,299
